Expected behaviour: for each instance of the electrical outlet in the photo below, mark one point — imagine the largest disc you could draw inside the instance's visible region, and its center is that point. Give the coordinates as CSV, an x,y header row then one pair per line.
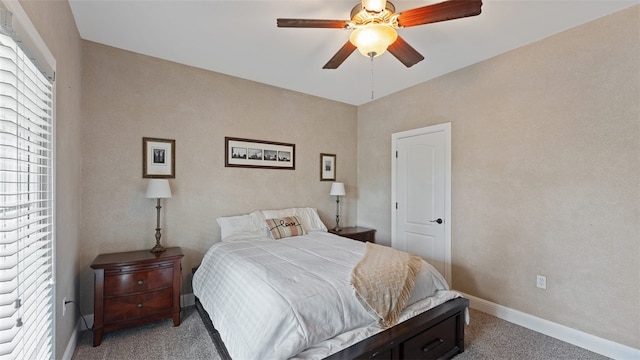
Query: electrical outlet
x,y
541,282
64,306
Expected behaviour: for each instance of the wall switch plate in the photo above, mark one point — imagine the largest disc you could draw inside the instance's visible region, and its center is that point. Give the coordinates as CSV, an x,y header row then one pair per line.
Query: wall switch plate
x,y
64,306
541,282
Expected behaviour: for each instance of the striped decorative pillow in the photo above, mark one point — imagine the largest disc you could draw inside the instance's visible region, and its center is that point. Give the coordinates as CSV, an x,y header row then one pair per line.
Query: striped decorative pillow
x,y
285,227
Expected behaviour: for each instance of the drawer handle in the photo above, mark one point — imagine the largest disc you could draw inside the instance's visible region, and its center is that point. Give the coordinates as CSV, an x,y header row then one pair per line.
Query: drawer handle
x,y
140,282
139,305
432,345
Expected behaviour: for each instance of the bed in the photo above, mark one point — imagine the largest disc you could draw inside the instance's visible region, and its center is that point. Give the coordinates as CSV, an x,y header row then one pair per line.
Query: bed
x,y
279,286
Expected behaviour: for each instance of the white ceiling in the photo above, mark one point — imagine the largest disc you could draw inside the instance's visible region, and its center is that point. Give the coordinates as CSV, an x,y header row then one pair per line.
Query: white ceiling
x,y
240,38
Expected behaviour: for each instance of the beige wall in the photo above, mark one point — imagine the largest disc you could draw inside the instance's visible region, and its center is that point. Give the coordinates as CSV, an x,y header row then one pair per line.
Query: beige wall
x,y
56,26
545,164
128,96
545,174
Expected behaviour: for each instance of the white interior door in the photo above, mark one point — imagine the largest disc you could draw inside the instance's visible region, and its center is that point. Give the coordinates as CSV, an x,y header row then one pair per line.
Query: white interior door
x,y
421,194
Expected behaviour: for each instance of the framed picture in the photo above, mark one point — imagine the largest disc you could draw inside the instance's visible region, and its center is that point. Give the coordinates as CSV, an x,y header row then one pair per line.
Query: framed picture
x,y
327,167
158,158
259,154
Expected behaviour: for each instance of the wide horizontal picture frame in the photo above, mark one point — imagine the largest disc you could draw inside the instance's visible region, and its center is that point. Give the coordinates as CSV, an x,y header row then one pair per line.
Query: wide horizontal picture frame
x,y
261,154
158,158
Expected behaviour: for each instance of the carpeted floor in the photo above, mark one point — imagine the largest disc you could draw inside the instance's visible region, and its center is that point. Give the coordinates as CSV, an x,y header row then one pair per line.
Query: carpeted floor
x,y
486,337
157,341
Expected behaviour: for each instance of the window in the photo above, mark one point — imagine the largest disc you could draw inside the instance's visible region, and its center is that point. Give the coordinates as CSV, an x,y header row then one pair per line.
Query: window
x,y
26,206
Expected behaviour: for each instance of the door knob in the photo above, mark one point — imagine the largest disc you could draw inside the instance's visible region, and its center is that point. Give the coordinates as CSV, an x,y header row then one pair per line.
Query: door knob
x,y
439,221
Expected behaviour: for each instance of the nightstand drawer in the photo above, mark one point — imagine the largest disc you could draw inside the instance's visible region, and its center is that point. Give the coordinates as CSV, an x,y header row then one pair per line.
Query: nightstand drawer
x,y
139,281
123,308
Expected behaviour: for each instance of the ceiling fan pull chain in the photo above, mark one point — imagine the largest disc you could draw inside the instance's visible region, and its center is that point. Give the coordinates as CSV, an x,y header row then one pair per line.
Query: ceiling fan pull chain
x,y
371,55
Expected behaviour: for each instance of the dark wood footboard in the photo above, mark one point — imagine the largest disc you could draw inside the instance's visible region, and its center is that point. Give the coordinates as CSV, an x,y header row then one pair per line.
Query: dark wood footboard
x,y
435,334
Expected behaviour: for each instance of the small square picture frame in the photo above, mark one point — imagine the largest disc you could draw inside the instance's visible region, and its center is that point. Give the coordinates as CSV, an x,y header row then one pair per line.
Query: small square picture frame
x,y
158,158
327,167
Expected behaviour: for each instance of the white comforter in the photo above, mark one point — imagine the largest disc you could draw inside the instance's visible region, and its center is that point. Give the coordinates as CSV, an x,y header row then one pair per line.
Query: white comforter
x,y
272,299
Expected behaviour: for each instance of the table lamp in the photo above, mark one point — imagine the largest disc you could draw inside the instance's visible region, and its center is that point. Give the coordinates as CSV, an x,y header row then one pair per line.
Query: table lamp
x,y
337,189
158,189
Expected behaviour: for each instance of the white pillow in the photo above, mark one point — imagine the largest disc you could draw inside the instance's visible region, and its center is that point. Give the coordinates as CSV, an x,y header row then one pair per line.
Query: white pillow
x,y
242,226
276,214
309,219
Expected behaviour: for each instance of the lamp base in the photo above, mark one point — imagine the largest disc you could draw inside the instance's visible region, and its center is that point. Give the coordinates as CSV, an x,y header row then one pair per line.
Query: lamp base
x,y
158,249
337,228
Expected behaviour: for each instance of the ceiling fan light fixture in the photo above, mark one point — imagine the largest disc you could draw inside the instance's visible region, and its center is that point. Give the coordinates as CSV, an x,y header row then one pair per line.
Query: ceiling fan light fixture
x,y
373,39
374,5
374,23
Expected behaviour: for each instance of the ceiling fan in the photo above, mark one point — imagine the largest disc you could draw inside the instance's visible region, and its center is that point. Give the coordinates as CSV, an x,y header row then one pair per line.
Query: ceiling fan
x,y
374,24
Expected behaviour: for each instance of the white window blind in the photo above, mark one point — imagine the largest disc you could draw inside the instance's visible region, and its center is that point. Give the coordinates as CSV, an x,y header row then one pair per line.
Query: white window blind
x,y
26,207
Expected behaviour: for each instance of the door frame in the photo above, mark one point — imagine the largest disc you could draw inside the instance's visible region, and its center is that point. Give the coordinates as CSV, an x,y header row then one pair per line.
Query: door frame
x,y
446,128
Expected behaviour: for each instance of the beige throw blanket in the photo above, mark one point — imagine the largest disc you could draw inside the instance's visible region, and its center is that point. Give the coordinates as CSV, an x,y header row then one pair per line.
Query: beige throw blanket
x,y
383,280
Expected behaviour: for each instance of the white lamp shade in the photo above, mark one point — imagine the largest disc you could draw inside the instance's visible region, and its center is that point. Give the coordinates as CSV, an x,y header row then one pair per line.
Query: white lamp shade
x,y
158,189
337,188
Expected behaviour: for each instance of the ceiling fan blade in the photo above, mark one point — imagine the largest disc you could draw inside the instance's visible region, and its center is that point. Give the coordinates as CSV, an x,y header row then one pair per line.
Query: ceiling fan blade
x,y
340,56
311,23
448,10
404,52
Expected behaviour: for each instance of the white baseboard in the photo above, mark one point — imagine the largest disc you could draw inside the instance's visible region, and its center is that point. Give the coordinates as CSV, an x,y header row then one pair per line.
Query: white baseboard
x,y
71,346
572,336
73,341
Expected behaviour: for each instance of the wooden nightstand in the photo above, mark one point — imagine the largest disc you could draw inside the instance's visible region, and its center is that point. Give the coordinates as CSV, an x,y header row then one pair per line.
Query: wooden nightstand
x,y
357,233
133,288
